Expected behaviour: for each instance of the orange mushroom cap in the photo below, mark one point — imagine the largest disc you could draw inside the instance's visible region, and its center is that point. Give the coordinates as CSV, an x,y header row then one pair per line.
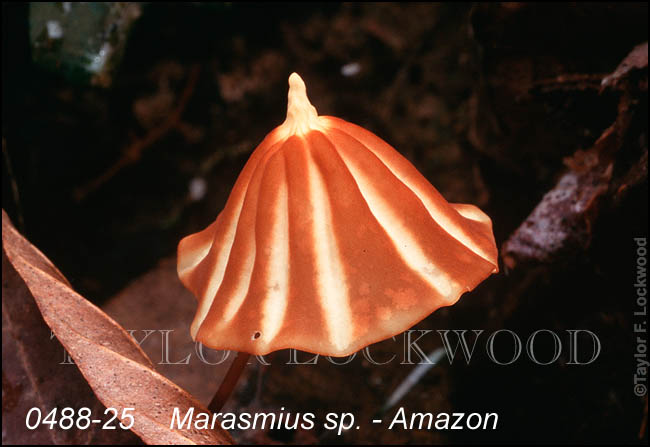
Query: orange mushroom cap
x,y
330,241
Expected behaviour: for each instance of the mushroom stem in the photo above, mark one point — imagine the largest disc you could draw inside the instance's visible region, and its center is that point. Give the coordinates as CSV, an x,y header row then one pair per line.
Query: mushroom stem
x,y
228,385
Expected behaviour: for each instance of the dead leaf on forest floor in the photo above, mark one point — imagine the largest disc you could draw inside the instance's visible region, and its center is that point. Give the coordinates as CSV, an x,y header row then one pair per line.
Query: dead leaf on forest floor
x,y
35,374
117,370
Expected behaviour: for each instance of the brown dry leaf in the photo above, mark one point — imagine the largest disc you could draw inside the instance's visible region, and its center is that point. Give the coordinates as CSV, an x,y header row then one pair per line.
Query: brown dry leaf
x,y
35,374
117,370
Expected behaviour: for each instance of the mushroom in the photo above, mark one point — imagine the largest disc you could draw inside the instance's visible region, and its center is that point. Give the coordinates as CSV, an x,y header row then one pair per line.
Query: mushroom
x,y
330,241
